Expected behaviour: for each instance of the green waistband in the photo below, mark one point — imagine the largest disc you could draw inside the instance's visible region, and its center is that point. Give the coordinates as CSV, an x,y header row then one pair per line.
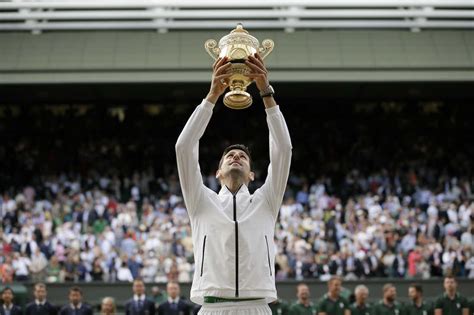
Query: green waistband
x,y
216,299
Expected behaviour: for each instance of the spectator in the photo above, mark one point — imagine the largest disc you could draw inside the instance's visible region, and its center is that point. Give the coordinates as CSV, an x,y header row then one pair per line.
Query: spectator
x,y
451,302
7,307
6,270
332,303
158,296
21,264
174,305
388,305
40,306
70,269
38,266
139,304
414,259
107,306
75,306
417,305
303,306
361,306
134,266
123,273
97,272
53,271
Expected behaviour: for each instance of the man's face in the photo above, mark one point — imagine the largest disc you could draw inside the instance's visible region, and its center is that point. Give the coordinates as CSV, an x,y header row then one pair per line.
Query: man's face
x,y
450,285
413,294
335,287
173,290
390,294
303,292
7,297
75,297
138,288
40,293
235,162
361,296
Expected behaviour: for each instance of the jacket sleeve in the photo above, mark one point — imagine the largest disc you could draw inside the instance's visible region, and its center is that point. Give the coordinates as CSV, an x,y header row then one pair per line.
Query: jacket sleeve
x,y
280,159
187,155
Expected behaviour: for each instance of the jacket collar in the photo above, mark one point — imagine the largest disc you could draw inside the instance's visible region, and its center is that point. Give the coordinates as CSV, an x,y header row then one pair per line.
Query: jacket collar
x,y
141,297
79,306
242,190
456,295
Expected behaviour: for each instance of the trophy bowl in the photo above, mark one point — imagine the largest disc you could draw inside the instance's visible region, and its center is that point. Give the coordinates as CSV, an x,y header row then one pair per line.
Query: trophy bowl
x,y
237,46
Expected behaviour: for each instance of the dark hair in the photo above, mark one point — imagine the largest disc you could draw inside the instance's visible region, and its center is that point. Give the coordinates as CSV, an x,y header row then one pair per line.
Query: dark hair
x,y
75,289
241,147
40,285
8,289
417,287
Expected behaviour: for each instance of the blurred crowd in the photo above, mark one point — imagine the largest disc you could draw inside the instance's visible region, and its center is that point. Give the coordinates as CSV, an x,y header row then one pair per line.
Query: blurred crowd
x,y
81,229
376,190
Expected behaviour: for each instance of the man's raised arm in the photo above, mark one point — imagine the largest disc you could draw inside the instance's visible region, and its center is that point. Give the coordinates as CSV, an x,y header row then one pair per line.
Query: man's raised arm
x,y
187,146
280,141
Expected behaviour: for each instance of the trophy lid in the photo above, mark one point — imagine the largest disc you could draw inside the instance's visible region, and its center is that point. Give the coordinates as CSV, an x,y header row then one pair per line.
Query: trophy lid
x,y
239,29
241,36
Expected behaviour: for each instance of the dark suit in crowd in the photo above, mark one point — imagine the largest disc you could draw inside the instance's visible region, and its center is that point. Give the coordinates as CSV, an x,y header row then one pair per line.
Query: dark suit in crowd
x,y
14,310
173,308
44,308
140,307
84,309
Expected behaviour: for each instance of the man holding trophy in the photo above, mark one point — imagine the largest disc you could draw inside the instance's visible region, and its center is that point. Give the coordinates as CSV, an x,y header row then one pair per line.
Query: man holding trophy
x,y
233,230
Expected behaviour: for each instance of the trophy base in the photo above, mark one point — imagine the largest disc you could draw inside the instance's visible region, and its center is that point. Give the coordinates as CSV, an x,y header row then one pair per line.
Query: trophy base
x,y
237,99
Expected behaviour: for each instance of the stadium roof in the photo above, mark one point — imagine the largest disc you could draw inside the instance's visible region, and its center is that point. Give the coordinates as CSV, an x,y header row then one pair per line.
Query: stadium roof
x,y
290,15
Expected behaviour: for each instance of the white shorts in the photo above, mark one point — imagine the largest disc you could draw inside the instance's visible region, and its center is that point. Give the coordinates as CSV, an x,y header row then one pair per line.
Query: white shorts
x,y
258,307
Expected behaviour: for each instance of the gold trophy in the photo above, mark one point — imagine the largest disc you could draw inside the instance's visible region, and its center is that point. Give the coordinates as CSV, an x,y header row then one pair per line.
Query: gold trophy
x,y
237,46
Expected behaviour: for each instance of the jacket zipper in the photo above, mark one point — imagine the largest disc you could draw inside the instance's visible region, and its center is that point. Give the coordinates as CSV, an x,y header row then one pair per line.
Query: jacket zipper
x,y
236,224
203,250
268,255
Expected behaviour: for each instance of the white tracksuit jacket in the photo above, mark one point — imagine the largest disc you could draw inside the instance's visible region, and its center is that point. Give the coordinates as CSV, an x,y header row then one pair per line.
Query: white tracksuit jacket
x,y
233,234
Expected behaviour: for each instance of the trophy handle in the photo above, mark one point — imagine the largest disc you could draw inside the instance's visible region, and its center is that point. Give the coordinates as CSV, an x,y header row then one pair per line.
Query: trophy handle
x,y
266,48
211,47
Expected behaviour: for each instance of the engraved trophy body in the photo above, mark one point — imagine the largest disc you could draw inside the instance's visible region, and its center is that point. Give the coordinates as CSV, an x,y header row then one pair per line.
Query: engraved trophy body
x,y
237,46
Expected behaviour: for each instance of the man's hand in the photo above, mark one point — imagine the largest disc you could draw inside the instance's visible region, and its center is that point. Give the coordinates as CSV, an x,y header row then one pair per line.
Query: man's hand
x,y
219,79
259,73
260,76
